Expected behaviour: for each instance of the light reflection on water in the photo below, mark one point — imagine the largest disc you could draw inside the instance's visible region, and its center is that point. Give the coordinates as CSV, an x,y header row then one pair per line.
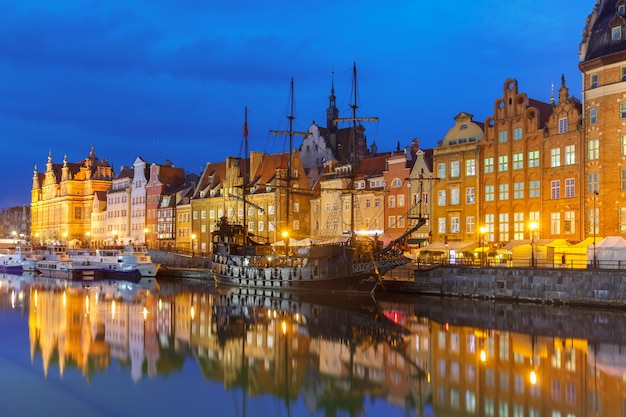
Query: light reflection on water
x,y
115,348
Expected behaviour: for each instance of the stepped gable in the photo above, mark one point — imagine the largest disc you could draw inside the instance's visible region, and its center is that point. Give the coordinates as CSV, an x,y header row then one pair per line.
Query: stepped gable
x,y
597,39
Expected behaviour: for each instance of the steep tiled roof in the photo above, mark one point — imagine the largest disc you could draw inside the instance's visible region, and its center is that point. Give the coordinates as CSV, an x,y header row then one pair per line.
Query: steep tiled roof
x,y
211,177
597,40
545,110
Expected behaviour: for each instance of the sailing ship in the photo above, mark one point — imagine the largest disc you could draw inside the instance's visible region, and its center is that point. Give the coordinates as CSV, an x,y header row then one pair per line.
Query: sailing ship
x,y
355,264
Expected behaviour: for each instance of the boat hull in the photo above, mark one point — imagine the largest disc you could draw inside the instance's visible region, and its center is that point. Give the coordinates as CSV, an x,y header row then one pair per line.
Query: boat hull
x,y
11,269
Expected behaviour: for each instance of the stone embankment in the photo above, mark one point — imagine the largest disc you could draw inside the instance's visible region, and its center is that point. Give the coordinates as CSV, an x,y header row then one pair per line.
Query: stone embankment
x,y
585,287
177,265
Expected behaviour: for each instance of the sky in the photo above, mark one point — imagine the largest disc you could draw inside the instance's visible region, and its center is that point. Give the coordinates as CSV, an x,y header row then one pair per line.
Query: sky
x,y
170,80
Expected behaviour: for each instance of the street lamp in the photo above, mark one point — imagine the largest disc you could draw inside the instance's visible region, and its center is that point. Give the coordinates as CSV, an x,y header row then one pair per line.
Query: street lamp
x,y
115,237
145,236
88,235
595,195
483,230
193,243
286,239
533,228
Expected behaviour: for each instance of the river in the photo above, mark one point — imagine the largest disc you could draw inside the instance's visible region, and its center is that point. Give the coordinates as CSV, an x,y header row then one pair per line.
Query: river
x,y
165,348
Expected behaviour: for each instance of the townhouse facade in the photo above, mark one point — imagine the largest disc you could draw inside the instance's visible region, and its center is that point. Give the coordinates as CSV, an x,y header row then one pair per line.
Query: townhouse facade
x,y
602,55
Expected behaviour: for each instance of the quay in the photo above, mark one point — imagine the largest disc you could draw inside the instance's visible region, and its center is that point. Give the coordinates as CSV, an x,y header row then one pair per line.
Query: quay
x,y
593,287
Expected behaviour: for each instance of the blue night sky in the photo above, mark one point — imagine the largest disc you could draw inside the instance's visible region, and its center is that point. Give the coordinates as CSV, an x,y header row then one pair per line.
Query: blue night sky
x,y
164,79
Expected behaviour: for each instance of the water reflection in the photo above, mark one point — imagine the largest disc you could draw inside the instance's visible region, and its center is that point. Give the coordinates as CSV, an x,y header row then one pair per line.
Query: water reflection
x,y
335,355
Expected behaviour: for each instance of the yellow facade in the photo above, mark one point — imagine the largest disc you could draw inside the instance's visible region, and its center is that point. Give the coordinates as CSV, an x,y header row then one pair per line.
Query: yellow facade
x,y
62,199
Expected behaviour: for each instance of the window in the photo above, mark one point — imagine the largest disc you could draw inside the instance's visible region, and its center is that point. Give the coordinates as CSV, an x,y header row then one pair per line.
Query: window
x,y
555,157
396,183
470,195
593,116
470,167
504,229
570,154
518,226
623,145
593,182
568,225
391,221
455,225
594,80
470,224
400,200
488,165
555,223
533,159
555,189
517,133
502,136
455,169
570,189
503,163
623,182
504,192
518,161
623,68
489,193
489,225
455,196
391,201
441,225
593,149
533,189
518,190
594,221
296,207
441,170
563,125
441,198
622,220
616,33
622,110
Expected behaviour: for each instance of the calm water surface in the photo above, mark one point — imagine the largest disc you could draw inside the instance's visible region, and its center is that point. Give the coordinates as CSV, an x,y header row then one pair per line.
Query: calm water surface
x,y
164,349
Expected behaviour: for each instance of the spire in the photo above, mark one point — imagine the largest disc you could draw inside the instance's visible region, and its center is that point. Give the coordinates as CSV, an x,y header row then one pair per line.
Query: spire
x,y
332,113
563,91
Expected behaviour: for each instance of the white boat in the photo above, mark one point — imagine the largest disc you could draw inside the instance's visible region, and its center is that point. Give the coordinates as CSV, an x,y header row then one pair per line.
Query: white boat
x,y
131,260
54,262
11,262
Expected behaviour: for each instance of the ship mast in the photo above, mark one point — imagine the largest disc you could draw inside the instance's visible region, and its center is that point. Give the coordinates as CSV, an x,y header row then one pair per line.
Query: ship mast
x,y
291,117
246,175
355,159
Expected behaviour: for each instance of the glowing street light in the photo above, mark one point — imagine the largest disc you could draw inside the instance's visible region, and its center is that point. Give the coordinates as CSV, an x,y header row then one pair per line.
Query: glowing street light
x,y
193,244
286,239
533,228
483,230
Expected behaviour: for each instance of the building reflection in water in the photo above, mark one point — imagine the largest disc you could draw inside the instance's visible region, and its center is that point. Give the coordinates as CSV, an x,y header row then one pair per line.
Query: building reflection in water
x,y
336,353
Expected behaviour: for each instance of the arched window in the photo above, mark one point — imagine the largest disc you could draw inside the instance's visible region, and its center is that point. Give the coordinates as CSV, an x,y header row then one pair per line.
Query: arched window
x,y
396,182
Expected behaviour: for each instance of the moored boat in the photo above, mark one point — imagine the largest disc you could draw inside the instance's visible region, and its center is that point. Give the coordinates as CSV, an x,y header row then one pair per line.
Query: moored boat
x,y
353,265
131,260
